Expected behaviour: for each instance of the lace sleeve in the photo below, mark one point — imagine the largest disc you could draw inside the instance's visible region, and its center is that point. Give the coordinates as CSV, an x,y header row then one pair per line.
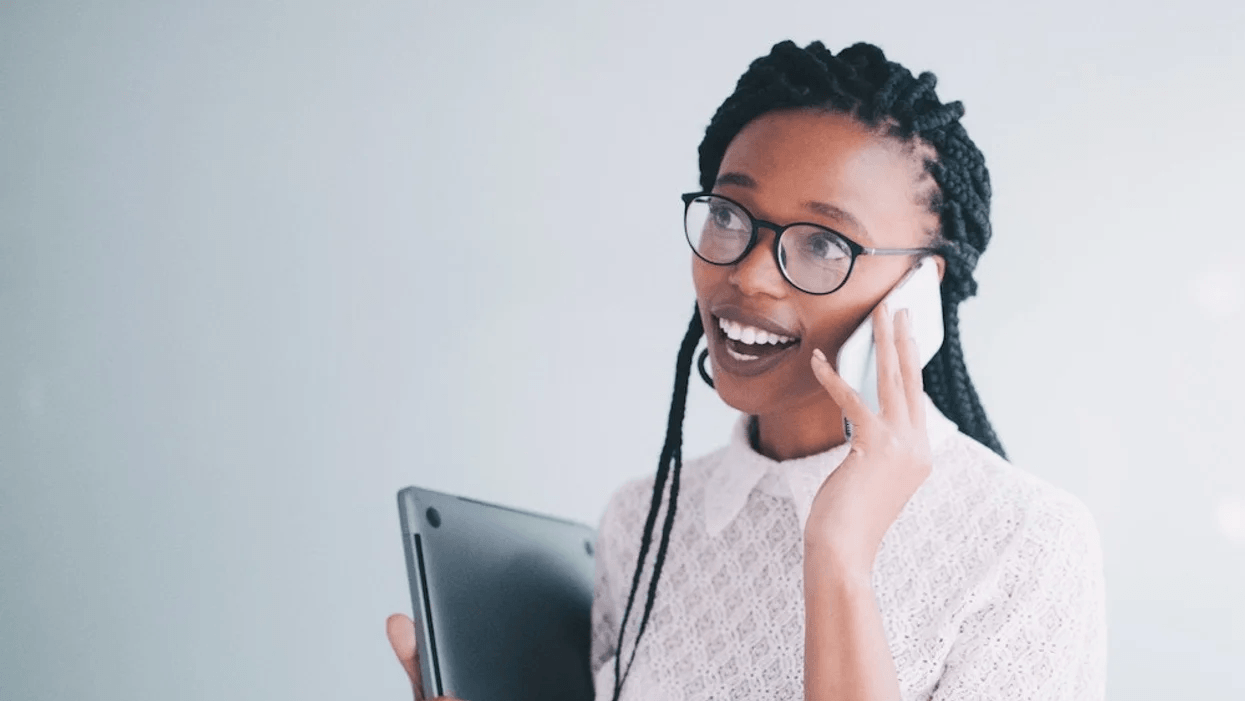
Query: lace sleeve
x,y
604,620
606,602
1040,631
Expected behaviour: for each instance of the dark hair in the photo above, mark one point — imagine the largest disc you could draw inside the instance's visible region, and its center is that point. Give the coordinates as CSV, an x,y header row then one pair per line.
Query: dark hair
x,y
885,96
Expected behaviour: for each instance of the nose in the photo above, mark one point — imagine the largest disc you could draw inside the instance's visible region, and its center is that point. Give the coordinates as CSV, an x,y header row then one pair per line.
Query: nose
x,y
758,273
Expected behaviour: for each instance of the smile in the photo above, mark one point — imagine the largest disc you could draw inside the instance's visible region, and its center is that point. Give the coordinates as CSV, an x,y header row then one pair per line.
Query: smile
x,y
750,334
749,346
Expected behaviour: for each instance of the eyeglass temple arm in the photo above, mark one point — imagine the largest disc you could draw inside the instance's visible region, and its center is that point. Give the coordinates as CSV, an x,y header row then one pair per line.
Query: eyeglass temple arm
x,y
896,251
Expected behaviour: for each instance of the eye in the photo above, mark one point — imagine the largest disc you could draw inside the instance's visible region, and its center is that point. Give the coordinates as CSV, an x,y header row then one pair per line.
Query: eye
x,y
724,216
825,246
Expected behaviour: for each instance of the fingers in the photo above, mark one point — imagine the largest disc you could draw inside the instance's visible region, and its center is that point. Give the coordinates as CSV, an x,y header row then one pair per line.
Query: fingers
x,y
401,632
901,393
910,369
891,400
849,401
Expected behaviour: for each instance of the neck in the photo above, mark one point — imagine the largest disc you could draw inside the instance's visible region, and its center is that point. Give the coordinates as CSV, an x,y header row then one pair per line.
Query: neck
x,y
799,431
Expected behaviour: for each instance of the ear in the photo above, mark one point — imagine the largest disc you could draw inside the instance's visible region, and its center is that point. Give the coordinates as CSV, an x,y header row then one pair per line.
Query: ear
x,y
942,266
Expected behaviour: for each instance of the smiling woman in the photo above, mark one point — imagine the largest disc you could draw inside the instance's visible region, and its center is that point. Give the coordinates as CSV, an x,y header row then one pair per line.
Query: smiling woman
x,y
263,264
909,560
784,164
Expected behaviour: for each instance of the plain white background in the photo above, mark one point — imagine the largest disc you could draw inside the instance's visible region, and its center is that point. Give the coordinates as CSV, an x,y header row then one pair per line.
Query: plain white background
x,y
263,264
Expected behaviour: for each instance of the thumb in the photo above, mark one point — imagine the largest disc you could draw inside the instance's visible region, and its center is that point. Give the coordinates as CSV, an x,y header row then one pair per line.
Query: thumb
x,y
401,632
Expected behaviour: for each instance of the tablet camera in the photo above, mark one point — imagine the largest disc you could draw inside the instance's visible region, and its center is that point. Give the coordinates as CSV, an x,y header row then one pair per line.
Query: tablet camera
x,y
433,516
588,547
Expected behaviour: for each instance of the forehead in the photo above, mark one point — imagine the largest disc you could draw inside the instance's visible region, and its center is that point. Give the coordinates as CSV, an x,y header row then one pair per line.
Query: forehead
x,y
797,159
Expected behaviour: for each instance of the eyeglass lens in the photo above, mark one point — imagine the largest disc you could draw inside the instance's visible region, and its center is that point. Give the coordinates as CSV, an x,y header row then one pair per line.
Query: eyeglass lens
x,y
812,258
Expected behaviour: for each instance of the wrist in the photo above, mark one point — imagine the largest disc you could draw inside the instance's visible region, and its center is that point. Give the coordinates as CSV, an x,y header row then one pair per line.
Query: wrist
x,y
830,561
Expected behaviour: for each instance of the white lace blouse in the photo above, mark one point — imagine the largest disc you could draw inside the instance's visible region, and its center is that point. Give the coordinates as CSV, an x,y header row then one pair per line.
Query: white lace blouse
x,y
989,583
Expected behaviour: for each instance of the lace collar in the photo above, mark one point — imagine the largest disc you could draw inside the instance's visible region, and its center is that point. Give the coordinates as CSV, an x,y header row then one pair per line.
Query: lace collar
x,y
741,470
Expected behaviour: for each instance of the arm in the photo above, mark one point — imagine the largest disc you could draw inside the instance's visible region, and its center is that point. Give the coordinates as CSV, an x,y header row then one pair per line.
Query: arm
x,y
847,656
614,563
1036,631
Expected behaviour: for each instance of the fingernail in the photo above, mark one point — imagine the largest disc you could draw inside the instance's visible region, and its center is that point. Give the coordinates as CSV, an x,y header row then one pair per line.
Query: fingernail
x,y
821,357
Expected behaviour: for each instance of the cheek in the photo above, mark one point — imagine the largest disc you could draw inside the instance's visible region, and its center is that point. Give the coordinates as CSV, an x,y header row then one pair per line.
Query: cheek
x,y
833,324
705,277
837,319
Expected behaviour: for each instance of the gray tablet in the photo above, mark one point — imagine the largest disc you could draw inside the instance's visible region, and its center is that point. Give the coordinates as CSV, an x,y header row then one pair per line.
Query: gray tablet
x,y
502,599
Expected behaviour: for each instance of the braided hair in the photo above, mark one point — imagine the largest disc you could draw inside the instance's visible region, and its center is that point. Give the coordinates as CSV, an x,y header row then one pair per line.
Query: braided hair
x,y
882,95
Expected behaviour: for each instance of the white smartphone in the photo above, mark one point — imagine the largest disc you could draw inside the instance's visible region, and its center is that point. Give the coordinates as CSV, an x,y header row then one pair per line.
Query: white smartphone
x,y
918,292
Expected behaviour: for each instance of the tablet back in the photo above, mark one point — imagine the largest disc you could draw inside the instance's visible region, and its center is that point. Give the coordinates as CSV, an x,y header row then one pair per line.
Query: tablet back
x,y
502,599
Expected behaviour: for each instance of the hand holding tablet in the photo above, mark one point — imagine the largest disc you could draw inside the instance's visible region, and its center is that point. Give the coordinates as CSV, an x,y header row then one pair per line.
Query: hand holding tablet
x,y
400,630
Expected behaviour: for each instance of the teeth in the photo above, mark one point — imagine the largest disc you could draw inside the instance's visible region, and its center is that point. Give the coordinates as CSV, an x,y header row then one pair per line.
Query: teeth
x,y
750,335
740,356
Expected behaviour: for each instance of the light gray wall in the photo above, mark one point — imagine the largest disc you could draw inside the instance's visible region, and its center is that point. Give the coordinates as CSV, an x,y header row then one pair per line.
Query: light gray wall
x,y
263,264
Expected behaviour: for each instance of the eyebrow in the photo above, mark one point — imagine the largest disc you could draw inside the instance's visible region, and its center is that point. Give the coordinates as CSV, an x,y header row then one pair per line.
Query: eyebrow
x,y
822,208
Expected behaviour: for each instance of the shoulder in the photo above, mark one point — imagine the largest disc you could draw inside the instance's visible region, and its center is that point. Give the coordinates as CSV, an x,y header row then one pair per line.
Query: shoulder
x,y
1032,555
982,478
1010,510
629,505
1021,565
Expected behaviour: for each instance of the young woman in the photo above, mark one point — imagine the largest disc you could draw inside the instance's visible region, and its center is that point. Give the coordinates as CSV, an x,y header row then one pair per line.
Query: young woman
x,y
907,561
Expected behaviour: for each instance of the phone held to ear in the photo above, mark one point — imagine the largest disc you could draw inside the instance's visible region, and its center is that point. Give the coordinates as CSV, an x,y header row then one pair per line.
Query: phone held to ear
x,y
919,293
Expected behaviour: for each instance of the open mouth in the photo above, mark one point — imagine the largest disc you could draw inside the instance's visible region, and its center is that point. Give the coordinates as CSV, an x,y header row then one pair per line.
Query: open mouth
x,y
746,343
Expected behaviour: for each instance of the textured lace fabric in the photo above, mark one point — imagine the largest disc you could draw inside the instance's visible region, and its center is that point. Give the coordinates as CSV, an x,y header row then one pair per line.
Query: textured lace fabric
x,y
989,583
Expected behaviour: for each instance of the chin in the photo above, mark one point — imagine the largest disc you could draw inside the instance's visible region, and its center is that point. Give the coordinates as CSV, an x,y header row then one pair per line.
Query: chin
x,y
751,396
784,393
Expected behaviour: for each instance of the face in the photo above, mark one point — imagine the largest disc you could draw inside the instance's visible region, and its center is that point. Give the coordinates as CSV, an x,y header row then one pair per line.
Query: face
x,y
821,168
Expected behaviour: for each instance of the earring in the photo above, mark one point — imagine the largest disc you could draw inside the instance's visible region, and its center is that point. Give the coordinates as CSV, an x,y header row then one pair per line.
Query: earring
x,y
700,365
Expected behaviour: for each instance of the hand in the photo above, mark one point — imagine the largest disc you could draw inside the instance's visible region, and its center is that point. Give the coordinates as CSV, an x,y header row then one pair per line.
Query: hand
x,y
890,455
401,632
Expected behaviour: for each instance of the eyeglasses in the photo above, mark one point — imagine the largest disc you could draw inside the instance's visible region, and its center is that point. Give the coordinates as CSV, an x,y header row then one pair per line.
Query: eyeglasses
x,y
813,258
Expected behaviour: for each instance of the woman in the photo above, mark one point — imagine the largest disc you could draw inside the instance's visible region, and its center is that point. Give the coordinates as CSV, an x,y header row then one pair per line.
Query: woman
x,y
909,561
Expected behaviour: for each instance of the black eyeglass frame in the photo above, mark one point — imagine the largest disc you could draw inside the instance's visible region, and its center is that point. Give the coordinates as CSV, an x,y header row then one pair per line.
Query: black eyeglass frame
x,y
854,248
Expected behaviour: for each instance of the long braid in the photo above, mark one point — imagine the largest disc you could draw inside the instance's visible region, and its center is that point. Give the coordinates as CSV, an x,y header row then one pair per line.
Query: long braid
x,y
671,454
884,95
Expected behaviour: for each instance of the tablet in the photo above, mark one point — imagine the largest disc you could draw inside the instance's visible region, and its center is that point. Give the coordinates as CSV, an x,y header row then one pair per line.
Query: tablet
x,y
502,599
